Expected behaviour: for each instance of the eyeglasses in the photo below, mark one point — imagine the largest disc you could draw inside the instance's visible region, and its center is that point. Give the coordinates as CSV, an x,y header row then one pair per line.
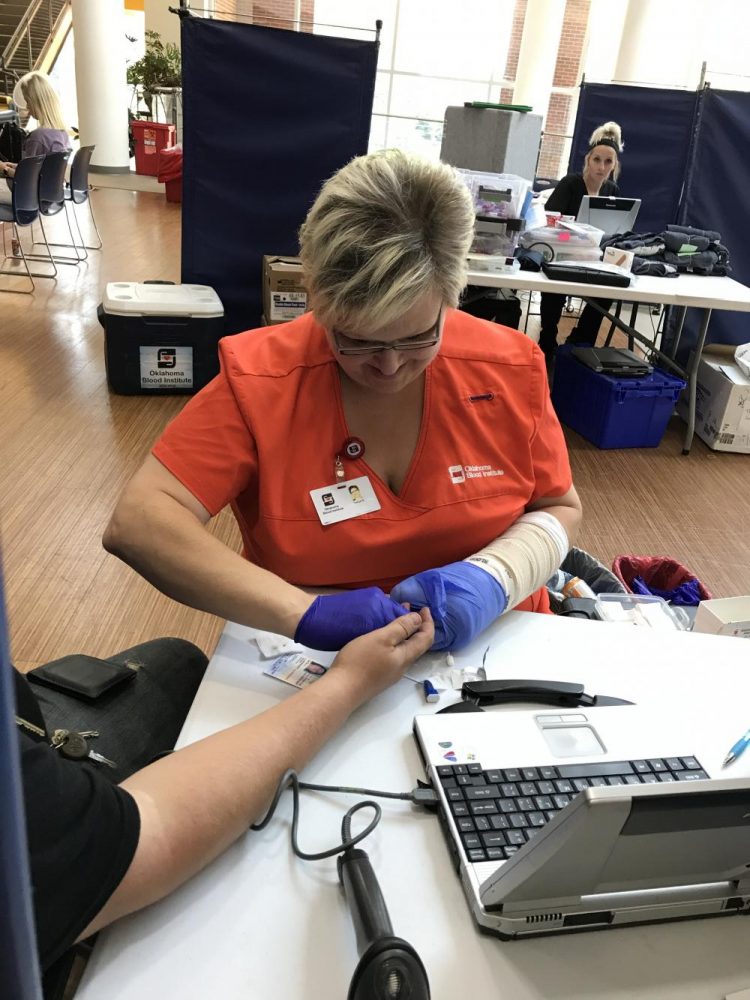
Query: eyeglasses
x,y
348,347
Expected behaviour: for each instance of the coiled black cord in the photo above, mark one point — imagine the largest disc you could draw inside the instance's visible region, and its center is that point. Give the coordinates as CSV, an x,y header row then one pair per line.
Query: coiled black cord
x,y
291,779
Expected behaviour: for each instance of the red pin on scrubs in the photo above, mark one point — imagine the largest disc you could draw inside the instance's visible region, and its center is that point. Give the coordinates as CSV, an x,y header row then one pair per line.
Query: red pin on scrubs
x,y
351,448
354,447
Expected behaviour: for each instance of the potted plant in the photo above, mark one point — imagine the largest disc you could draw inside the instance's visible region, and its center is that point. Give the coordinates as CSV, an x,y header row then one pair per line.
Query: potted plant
x,y
160,67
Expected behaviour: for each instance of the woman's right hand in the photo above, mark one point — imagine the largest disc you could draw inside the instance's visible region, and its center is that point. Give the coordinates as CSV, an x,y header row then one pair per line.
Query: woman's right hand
x,y
335,619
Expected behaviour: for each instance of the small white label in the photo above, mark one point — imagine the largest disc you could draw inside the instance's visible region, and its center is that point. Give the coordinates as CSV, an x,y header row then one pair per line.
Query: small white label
x,y
343,501
287,305
166,367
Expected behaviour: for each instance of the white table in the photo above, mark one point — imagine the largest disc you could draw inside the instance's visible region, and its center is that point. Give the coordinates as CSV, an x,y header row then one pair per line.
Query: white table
x,y
687,291
260,924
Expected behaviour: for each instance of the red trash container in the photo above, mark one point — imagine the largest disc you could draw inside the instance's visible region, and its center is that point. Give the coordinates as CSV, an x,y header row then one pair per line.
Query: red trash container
x,y
150,138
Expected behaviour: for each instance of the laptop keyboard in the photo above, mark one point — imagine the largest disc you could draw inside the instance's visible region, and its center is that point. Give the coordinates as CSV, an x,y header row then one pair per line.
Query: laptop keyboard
x,y
498,811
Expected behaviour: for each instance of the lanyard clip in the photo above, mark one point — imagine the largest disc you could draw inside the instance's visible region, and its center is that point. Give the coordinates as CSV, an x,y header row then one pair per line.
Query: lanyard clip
x,y
338,469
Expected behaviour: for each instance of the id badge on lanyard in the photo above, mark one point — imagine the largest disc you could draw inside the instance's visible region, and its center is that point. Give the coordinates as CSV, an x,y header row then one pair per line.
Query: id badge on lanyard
x,y
344,500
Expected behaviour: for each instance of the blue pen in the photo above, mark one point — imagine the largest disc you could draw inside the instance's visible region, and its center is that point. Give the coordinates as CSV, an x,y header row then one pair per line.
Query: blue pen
x,y
742,743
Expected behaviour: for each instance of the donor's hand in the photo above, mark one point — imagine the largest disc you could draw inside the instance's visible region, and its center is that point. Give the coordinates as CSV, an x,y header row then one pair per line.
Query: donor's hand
x,y
373,662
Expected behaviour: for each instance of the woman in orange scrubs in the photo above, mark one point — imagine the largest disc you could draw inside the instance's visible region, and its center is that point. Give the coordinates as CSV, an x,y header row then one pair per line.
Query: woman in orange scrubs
x,y
441,421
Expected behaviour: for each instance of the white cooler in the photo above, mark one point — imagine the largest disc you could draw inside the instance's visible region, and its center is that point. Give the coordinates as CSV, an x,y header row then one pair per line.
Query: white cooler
x,y
160,338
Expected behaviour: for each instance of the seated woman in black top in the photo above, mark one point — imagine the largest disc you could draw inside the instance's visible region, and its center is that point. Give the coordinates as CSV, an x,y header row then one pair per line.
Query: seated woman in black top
x,y
601,168
99,850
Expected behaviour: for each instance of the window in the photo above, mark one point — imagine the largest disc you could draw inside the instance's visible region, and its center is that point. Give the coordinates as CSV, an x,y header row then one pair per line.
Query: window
x,y
433,54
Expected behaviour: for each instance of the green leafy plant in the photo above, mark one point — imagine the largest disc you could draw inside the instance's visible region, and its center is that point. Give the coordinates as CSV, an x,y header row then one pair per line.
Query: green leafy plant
x,y
161,66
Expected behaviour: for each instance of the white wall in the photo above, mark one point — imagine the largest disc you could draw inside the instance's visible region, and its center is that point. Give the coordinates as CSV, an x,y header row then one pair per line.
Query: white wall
x,y
159,18
606,18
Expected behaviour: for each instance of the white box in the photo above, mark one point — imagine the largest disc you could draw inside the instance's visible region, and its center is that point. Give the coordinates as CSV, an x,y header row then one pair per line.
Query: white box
x,y
722,404
620,258
724,616
496,263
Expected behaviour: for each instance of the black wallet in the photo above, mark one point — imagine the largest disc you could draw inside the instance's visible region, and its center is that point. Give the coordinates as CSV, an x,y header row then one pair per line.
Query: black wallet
x,y
82,676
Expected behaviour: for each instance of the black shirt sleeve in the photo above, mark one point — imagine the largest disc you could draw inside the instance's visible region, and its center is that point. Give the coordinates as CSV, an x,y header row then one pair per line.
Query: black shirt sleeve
x,y
567,196
82,833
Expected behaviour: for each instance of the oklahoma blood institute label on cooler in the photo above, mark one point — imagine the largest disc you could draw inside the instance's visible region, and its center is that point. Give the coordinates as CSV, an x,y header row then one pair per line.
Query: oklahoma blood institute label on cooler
x,y
166,367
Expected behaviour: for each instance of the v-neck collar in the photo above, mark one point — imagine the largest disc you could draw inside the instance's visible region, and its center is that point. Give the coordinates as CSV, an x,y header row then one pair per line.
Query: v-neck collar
x,y
419,447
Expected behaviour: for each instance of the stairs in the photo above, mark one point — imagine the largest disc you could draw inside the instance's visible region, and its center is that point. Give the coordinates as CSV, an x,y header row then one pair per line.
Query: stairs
x,y
31,33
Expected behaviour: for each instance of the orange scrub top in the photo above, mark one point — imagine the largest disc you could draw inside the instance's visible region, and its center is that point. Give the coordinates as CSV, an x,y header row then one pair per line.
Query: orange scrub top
x,y
268,428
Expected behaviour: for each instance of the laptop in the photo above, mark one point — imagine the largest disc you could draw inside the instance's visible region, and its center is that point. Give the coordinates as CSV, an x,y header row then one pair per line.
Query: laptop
x,y
568,820
616,361
613,215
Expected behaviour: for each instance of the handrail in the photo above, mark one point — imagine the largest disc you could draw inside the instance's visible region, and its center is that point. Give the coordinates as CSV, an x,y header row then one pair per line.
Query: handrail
x,y
23,31
58,32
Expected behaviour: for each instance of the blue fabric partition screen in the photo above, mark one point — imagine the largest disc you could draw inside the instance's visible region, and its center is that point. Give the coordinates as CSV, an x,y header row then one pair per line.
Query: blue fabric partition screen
x,y
715,197
657,126
686,157
268,116
19,969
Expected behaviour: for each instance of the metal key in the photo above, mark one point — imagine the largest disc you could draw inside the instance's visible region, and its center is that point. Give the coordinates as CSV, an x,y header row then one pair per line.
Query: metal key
x,y
60,735
73,746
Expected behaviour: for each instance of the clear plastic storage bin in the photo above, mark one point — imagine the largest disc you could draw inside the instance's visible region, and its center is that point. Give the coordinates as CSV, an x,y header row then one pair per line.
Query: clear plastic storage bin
x,y
558,243
498,196
498,237
642,609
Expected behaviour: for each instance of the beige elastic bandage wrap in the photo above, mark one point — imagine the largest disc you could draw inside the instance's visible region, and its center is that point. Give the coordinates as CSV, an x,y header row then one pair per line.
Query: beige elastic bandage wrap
x,y
525,556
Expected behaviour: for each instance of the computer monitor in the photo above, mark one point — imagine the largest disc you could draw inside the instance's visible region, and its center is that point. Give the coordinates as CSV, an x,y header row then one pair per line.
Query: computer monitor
x,y
613,215
19,967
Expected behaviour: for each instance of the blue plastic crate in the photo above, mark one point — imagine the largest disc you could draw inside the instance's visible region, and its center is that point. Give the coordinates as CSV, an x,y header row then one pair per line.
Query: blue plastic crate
x,y
613,412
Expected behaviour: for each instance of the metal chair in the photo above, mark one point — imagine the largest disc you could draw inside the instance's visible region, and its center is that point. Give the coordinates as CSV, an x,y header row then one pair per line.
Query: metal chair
x,y
77,191
23,211
52,202
542,183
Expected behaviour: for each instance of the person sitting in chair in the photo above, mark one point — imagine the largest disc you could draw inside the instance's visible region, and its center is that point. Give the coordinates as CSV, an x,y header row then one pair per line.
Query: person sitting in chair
x,y
51,136
601,169
106,839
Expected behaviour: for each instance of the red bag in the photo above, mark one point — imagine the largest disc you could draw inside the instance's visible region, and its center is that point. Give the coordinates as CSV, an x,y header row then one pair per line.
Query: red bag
x,y
661,572
170,164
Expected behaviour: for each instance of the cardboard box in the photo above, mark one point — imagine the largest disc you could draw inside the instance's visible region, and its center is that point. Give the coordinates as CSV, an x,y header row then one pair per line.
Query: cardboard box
x,y
722,403
284,295
724,616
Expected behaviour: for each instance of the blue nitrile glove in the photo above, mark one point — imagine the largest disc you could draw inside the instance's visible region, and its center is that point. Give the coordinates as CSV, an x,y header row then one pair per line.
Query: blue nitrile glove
x,y
463,599
332,621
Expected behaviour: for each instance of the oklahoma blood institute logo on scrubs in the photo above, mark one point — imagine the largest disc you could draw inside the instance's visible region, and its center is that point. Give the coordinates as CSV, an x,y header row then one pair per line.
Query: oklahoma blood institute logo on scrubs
x,y
460,473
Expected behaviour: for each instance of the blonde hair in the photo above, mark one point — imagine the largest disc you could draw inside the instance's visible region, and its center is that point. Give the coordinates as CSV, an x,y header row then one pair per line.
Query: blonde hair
x,y
42,101
612,132
384,230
